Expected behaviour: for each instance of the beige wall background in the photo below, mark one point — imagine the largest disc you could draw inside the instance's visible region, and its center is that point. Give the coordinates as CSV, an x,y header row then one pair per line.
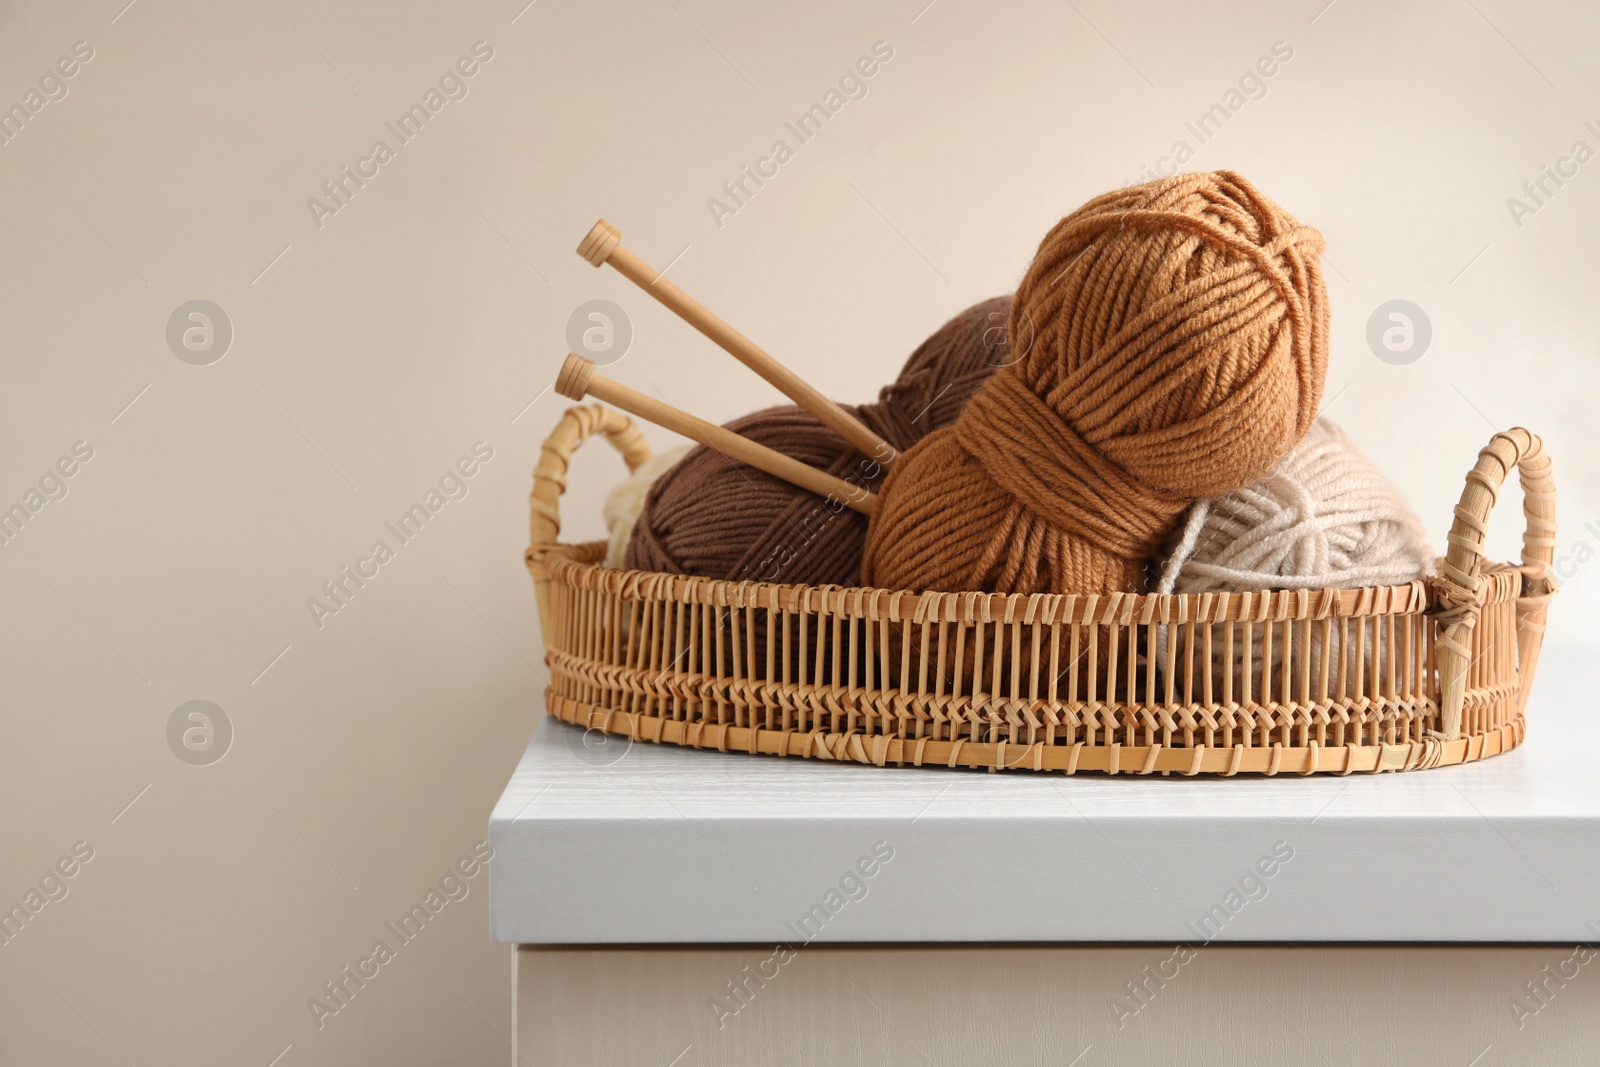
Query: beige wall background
x,y
369,353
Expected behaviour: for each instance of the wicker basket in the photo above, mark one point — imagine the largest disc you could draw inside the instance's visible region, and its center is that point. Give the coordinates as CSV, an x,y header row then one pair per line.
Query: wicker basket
x,y
1333,681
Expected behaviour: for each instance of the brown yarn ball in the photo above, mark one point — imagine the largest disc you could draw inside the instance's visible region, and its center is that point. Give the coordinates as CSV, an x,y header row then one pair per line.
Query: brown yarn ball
x,y
714,517
1178,345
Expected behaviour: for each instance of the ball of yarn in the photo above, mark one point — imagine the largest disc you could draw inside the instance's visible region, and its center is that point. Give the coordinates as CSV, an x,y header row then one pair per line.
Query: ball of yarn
x,y
1324,518
1172,344
714,517
624,503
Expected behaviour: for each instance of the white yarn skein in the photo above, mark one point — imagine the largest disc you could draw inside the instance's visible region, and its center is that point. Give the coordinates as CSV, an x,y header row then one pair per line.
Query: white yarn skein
x,y
627,500
1325,518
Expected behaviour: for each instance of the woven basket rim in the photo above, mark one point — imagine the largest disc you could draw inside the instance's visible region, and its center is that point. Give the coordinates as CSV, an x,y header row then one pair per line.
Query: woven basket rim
x,y
1501,582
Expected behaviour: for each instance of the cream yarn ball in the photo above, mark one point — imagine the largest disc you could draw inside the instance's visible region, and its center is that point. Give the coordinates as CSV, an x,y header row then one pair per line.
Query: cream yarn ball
x,y
627,500
1324,518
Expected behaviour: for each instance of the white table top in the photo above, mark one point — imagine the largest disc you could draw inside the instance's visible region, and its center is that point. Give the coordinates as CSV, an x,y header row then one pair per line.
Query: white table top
x,y
645,843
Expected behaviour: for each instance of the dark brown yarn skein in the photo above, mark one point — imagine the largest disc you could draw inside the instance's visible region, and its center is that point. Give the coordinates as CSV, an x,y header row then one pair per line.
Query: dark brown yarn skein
x,y
713,517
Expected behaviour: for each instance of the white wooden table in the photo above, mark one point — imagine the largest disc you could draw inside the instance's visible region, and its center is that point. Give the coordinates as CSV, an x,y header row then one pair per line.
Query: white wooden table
x,y
1035,918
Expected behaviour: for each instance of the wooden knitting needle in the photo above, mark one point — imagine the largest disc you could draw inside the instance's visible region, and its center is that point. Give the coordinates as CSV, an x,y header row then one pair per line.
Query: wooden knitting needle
x,y
603,244
578,379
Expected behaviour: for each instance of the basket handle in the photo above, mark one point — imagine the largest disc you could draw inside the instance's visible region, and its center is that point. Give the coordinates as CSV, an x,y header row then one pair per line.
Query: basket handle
x,y
1461,597
577,425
